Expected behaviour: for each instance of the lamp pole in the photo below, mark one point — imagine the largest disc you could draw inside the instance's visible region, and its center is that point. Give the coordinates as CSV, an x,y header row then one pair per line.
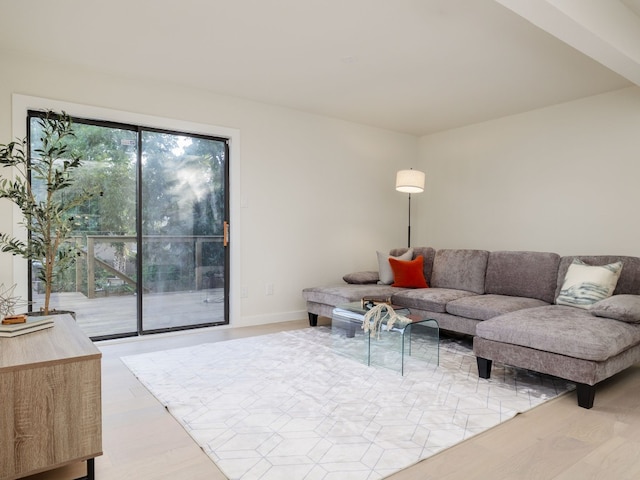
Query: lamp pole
x,y
409,225
410,181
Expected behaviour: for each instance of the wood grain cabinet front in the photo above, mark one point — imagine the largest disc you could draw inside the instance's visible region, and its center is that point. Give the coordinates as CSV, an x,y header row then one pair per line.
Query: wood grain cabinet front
x,y
50,400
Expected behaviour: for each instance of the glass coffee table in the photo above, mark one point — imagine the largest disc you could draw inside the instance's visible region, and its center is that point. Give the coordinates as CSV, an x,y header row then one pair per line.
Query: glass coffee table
x,y
412,335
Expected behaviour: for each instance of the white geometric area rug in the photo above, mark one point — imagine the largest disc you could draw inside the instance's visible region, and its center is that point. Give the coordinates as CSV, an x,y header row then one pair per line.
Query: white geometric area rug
x,y
287,405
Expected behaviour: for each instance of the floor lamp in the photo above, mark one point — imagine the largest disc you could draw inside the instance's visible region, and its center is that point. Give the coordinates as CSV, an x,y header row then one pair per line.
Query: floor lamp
x,y
410,181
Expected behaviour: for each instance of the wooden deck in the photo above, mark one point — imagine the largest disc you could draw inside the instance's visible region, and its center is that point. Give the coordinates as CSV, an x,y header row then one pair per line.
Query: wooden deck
x,y
115,315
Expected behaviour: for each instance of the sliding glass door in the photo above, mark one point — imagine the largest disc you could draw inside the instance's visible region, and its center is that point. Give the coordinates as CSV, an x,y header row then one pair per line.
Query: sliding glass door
x,y
183,180
152,250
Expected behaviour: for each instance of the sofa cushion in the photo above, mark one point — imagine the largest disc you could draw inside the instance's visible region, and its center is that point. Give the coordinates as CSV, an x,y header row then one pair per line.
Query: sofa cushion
x,y
629,281
523,274
408,274
568,331
384,268
625,308
460,270
361,278
585,284
429,299
484,307
345,293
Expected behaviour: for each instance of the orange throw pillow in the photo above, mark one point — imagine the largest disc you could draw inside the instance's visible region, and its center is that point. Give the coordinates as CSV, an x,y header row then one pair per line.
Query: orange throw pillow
x,y
408,274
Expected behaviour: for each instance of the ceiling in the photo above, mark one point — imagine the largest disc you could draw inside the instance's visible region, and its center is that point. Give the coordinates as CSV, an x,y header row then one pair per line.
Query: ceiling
x,y
414,66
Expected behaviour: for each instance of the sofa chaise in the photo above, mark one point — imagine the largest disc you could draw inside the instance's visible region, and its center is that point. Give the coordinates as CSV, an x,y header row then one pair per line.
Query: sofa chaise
x,y
514,305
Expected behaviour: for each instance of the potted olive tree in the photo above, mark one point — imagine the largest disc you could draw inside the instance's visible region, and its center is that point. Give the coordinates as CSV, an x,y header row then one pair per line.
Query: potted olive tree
x,y
36,186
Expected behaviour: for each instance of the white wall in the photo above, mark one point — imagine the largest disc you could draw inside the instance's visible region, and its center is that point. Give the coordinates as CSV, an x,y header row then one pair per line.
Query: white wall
x,y
563,179
314,196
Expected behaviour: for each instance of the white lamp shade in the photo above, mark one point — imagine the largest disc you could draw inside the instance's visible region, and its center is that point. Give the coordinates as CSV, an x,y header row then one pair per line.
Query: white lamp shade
x,y
410,181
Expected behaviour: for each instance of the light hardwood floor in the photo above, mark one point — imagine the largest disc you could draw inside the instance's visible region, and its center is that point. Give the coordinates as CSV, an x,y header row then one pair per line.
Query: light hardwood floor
x,y
557,440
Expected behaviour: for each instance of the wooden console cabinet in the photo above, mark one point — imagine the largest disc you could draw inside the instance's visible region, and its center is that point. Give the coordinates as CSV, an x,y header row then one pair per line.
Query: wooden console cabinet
x,y
50,400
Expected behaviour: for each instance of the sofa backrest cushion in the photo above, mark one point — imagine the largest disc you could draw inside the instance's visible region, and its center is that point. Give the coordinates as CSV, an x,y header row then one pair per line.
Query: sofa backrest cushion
x,y
523,274
460,270
427,253
629,281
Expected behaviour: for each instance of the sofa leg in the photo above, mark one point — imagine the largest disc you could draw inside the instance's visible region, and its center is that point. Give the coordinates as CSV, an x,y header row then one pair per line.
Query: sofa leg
x,y
313,319
484,367
586,395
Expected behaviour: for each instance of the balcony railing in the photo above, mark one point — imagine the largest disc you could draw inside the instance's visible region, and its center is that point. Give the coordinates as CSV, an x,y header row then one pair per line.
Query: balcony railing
x,y
93,262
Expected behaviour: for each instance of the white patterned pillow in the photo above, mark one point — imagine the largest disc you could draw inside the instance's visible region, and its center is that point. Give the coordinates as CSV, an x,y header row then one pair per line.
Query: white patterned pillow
x,y
585,285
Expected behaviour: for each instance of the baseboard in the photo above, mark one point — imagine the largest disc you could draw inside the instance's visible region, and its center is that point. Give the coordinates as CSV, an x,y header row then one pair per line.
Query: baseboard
x,y
252,320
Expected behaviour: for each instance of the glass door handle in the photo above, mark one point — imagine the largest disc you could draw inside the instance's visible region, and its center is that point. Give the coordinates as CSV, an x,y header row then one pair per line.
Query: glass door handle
x,y
225,234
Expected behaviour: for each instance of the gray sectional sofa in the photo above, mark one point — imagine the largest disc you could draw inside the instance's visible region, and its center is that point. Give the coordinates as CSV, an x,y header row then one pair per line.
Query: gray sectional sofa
x,y
507,301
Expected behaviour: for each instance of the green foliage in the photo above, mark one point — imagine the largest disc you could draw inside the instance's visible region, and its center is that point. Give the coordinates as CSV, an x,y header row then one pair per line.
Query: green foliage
x,y
183,188
108,165
38,189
